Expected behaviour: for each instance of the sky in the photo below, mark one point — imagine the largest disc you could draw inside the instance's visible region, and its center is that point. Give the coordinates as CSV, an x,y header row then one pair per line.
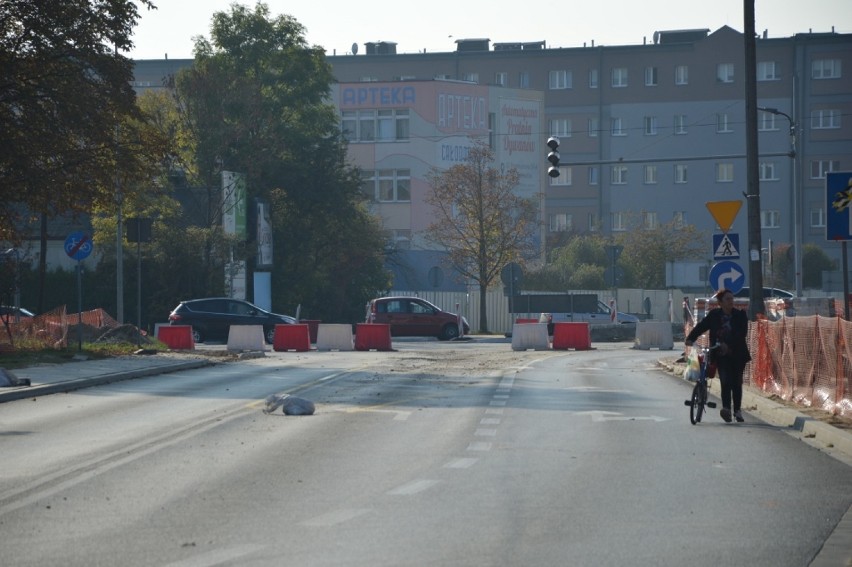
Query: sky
x,y
422,26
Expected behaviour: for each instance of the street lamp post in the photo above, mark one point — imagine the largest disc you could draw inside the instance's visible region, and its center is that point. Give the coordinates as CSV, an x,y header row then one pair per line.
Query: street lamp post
x,y
797,221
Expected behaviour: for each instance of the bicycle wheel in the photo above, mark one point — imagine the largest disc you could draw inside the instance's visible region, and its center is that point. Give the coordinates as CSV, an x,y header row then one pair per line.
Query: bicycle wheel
x,y
696,409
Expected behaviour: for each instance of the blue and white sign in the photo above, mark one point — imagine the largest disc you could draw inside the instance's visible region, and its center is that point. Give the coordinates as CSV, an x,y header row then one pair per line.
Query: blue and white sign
x,y
78,246
726,246
838,219
727,274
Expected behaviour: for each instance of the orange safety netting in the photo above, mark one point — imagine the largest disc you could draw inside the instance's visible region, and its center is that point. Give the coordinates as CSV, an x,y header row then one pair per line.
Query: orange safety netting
x,y
50,329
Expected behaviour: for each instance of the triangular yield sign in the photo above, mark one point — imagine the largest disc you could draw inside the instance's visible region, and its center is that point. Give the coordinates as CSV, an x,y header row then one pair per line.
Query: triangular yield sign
x,y
724,212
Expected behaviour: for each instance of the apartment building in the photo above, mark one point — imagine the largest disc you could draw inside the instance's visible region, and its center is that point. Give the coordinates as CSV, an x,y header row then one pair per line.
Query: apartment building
x,y
649,132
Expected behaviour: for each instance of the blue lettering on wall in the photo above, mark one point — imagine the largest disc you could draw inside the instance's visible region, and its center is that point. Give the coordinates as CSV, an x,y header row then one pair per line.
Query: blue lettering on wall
x,y
379,96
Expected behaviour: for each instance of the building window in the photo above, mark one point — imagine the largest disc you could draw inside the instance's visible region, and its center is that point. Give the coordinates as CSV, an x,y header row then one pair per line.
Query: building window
x,y
442,77
501,79
369,79
649,220
524,80
594,175
471,77
825,119
724,173
560,80
767,171
650,174
680,173
680,124
389,185
560,127
818,217
723,123
372,125
650,76
565,176
766,122
725,72
618,174
619,222
679,219
594,222
768,71
822,166
560,222
825,69
618,127
682,75
650,125
593,78
594,127
619,77
770,219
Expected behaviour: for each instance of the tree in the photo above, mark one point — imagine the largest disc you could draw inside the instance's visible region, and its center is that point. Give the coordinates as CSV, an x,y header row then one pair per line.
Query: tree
x,y
255,101
480,223
579,263
64,90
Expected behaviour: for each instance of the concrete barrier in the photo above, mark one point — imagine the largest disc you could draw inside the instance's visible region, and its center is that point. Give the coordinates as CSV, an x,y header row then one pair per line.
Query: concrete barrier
x,y
334,337
572,335
292,337
176,336
246,337
527,336
370,336
654,334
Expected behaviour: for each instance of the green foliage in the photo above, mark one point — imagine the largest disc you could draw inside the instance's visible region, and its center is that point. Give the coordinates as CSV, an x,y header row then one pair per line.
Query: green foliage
x,y
814,262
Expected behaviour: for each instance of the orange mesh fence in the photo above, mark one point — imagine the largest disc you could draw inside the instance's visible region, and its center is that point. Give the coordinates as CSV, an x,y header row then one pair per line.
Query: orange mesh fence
x,y
50,329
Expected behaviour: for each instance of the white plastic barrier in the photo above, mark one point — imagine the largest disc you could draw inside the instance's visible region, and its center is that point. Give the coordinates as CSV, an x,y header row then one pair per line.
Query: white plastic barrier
x,y
654,334
246,337
527,336
334,337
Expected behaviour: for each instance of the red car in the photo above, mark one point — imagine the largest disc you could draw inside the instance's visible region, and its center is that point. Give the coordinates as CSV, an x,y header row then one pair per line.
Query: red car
x,y
415,317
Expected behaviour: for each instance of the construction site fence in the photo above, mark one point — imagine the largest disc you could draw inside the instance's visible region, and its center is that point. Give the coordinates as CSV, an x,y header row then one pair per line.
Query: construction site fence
x,y
50,329
806,360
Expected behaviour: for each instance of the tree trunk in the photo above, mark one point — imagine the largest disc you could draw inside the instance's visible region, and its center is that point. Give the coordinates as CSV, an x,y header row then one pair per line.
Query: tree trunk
x,y
42,263
483,312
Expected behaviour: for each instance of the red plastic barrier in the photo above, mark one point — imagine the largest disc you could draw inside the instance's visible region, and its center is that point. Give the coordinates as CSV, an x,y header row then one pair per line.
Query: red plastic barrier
x,y
313,326
291,337
572,335
370,336
523,320
176,336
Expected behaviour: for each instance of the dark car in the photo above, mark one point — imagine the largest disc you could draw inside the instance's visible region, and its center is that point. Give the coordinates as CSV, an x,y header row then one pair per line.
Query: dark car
x,y
211,318
415,317
8,312
768,293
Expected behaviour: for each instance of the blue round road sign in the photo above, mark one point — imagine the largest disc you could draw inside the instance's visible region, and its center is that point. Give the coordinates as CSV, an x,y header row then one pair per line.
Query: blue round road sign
x,y
727,274
78,245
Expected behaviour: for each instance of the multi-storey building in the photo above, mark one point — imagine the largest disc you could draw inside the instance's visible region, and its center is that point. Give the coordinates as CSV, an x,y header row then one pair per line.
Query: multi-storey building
x,y
650,131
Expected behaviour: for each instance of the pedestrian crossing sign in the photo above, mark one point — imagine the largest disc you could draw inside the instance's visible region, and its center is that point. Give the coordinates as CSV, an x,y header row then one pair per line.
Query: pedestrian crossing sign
x,y
726,246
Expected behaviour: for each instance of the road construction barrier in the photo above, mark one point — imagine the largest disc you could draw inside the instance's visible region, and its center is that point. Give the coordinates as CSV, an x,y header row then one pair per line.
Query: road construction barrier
x,y
525,320
369,336
313,327
176,336
572,335
246,337
527,336
654,334
334,337
292,337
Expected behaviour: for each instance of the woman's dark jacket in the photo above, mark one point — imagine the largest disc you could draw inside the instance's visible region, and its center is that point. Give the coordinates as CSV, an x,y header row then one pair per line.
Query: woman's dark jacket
x,y
735,337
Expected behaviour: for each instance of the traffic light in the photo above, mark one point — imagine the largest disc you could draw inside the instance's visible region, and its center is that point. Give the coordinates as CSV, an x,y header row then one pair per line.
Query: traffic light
x,y
553,156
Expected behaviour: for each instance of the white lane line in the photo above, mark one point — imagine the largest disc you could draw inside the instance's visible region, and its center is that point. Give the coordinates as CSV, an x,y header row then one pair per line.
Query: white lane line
x,y
497,403
479,446
493,411
489,421
464,463
482,432
501,396
413,487
336,517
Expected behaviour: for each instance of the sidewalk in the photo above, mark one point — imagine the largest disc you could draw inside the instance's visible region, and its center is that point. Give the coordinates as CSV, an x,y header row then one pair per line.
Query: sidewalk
x,y
56,378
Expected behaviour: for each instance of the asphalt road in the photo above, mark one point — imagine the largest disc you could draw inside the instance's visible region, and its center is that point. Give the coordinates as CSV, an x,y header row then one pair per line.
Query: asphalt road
x,y
438,454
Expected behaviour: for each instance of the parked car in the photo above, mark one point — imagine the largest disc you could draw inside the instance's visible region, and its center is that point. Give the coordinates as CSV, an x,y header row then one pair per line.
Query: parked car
x,y
415,317
599,314
211,318
768,292
8,312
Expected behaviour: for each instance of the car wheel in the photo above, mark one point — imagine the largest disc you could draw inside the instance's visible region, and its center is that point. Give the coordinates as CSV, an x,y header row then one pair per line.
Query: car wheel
x,y
270,335
197,336
449,332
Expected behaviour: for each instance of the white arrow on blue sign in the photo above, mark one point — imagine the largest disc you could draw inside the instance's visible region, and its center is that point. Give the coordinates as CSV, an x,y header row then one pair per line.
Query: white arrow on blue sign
x,y
727,275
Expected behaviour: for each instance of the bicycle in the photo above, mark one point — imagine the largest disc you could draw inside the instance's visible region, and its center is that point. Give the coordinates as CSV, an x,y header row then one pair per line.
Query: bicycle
x,y
707,371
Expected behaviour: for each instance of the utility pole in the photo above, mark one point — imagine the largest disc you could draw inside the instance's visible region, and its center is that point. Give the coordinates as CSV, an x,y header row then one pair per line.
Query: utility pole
x,y
755,292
